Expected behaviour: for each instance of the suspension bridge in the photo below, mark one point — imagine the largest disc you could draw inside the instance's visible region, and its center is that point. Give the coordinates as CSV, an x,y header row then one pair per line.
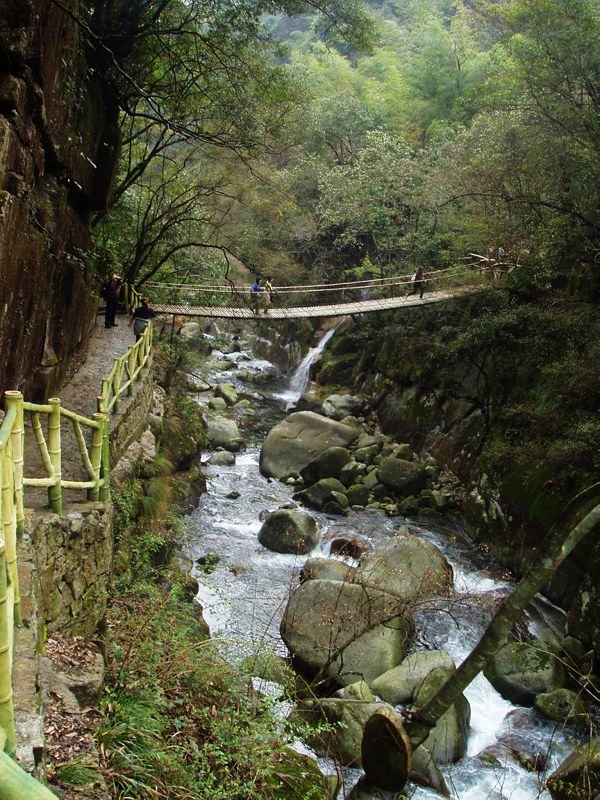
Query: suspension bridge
x,y
317,300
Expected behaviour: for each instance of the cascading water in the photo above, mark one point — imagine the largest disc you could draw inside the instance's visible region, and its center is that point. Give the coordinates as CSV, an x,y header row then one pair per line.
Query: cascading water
x,y
301,377
246,589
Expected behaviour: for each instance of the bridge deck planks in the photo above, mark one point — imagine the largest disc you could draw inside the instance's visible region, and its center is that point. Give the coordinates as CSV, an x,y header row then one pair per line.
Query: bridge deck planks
x,y
299,312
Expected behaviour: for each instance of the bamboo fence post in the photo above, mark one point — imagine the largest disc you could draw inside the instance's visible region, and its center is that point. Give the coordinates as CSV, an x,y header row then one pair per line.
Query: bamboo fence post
x,y
117,384
55,491
105,468
96,455
9,527
7,718
131,365
18,438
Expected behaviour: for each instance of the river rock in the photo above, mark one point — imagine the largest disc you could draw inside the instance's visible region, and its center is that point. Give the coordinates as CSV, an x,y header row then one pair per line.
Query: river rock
x,y
322,494
350,547
338,406
447,742
342,738
289,531
425,772
227,392
408,568
579,774
337,628
352,472
217,404
222,432
402,476
522,670
326,569
299,439
326,465
365,455
402,683
222,458
562,705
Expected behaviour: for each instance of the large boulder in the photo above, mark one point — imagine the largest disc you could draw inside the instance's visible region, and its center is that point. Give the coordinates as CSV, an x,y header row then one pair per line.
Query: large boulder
x,y
402,683
222,432
289,531
401,476
326,465
338,629
338,406
522,670
447,742
327,569
407,567
296,441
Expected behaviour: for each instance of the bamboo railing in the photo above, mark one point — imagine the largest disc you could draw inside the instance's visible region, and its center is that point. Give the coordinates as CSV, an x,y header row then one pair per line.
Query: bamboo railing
x,y
15,783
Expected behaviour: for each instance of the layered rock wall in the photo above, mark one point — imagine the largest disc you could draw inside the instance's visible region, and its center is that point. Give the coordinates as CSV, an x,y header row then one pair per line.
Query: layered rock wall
x,y
58,150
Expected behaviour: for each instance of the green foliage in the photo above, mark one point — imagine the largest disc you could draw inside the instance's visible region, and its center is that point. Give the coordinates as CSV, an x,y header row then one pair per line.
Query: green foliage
x,y
181,723
77,773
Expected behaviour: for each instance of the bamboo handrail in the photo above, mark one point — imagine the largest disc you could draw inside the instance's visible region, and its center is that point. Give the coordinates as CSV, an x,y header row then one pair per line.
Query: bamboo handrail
x,y
15,783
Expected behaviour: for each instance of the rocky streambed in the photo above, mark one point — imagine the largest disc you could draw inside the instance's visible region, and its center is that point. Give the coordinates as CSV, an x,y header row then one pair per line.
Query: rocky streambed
x,y
323,540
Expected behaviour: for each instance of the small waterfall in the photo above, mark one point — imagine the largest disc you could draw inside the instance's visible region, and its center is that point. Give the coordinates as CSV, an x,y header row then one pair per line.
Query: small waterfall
x,y
300,379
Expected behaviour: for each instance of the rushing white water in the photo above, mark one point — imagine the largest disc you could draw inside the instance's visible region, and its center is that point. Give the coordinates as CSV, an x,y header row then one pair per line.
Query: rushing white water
x,y
301,377
245,594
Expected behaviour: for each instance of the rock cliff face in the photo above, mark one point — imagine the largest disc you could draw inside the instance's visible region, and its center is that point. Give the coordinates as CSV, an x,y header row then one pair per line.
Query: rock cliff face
x,y
58,150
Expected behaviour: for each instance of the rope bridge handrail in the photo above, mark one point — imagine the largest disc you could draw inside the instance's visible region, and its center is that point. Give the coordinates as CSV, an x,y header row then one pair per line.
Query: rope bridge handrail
x,y
353,297
396,280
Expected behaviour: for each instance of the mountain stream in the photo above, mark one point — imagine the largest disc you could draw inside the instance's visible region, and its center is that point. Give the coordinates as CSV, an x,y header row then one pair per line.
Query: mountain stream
x,y
244,593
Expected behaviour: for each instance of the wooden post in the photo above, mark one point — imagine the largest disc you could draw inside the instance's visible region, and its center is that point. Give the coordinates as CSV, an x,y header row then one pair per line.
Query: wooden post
x,y
18,437
96,455
7,719
55,491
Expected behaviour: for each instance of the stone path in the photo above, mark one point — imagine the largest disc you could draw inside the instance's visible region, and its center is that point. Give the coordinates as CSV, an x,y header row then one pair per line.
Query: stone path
x,y
79,395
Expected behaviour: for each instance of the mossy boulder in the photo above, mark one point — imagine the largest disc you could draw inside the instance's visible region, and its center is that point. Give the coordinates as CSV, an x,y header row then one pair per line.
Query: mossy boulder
x,y
562,705
402,476
447,742
296,441
578,777
326,465
289,531
408,568
522,670
338,629
402,683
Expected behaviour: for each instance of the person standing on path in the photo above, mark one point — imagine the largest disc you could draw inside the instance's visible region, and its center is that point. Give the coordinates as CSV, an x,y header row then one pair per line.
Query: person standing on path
x,y
418,281
141,317
111,292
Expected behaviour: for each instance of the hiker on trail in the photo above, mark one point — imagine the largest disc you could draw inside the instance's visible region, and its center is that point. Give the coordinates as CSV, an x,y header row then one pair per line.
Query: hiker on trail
x,y
110,293
418,282
256,292
141,317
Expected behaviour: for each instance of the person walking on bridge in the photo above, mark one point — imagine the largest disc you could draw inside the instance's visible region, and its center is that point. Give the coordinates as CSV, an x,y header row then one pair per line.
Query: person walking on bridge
x,y
256,292
418,282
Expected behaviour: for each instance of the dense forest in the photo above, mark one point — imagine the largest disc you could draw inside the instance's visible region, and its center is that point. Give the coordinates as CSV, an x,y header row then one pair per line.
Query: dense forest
x,y
397,134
